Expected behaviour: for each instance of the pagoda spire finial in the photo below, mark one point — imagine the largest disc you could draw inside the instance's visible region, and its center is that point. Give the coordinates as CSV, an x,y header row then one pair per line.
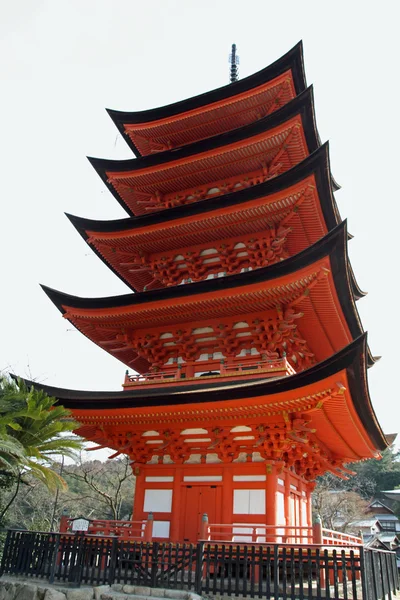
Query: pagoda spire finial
x,y
234,62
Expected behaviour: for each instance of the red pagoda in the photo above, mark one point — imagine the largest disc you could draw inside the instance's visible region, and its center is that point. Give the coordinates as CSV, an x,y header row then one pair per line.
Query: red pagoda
x,y
249,357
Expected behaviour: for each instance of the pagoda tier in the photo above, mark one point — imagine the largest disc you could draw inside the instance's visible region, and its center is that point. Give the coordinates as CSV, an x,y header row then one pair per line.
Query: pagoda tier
x,y
313,421
244,230
244,453
302,308
223,109
216,166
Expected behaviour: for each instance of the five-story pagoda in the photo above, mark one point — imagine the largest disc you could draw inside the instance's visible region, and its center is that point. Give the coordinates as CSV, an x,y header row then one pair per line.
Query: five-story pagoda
x,y
242,326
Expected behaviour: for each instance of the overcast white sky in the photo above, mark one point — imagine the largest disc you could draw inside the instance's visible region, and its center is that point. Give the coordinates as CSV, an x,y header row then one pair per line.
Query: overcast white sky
x,y
63,61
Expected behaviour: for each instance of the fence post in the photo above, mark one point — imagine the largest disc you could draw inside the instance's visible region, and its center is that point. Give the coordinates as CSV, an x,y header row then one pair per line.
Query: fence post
x,y
363,574
198,583
75,558
395,572
204,527
113,560
317,531
53,564
154,563
148,528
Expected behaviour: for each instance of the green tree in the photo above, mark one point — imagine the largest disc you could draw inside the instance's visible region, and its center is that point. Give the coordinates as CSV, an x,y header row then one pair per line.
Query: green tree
x,y
33,430
96,490
375,475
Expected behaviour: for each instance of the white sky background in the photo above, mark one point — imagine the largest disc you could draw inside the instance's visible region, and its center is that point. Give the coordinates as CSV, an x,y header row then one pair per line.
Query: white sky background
x,y
63,62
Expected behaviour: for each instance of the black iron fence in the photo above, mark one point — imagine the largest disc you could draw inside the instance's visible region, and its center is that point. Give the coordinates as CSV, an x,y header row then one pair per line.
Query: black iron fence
x,y
275,571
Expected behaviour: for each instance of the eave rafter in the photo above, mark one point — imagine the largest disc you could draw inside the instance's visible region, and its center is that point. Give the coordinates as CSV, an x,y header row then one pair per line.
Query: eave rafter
x,y
314,281
136,336
285,432
331,396
170,133
137,249
195,263
215,174
212,167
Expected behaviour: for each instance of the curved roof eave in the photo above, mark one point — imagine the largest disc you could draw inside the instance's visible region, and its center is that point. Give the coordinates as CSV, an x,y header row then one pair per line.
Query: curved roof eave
x,y
352,358
292,60
335,240
302,105
334,245
317,162
357,291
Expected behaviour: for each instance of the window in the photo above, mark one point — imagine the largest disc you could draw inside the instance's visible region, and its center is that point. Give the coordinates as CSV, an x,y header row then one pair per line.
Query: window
x,y
248,502
157,501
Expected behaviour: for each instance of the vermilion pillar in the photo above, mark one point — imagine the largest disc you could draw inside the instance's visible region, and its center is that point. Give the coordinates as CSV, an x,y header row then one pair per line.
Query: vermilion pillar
x,y
271,494
175,531
139,494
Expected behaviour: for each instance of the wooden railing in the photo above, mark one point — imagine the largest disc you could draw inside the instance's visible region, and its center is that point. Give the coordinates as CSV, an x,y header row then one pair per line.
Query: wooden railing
x,y
260,533
336,538
244,365
256,533
278,571
124,530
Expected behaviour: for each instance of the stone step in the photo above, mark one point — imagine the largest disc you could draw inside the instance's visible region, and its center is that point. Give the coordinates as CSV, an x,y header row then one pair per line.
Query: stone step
x,y
136,592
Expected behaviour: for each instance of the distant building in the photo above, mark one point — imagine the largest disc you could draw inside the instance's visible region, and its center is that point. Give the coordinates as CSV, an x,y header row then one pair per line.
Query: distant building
x,y
381,528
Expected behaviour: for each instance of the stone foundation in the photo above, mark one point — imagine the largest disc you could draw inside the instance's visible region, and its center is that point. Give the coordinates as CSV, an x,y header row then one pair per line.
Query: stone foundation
x,y
15,588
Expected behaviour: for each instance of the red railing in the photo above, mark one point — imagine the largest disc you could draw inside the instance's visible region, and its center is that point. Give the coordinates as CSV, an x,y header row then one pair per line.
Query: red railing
x,y
257,533
126,530
337,538
216,369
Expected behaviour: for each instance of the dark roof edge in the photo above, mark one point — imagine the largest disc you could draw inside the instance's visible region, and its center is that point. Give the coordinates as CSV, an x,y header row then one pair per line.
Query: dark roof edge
x,y
317,162
357,291
291,60
358,382
334,244
302,105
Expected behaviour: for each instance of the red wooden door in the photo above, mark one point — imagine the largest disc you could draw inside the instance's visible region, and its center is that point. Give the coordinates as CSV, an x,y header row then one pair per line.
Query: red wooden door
x,y
200,499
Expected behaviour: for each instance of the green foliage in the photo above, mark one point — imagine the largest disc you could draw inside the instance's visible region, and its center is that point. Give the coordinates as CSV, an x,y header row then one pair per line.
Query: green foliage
x,y
33,430
96,490
374,476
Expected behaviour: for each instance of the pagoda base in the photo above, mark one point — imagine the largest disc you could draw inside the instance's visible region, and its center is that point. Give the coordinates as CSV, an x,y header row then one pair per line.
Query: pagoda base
x,y
228,493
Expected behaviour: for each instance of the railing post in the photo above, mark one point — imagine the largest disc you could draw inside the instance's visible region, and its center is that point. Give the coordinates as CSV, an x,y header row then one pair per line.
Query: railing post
x,y
204,527
148,529
317,531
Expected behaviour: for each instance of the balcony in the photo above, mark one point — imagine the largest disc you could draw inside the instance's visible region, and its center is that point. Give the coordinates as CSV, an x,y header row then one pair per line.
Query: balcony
x,y
212,371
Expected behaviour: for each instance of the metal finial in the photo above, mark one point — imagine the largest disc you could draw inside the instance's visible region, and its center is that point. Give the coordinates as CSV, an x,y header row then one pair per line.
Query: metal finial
x,y
234,62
